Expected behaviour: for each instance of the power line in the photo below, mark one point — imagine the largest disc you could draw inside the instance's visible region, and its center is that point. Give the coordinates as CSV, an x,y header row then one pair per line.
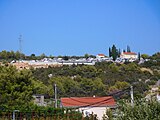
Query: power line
x,y
112,94
99,103
91,104
120,92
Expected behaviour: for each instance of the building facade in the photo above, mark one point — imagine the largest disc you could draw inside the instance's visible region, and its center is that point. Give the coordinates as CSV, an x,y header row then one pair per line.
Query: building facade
x,y
128,55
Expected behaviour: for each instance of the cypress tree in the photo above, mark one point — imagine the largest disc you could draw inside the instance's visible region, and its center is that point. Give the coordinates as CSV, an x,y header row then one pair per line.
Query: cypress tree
x,y
128,49
139,56
119,52
114,52
110,52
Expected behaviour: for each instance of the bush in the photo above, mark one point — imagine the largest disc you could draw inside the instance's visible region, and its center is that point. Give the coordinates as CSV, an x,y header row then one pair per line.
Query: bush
x,y
142,110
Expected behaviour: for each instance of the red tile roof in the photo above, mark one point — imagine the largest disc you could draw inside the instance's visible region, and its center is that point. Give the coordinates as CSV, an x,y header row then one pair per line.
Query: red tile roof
x,y
101,55
88,101
129,53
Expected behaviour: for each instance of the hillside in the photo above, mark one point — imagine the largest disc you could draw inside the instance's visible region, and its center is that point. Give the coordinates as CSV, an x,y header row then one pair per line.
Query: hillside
x,y
102,79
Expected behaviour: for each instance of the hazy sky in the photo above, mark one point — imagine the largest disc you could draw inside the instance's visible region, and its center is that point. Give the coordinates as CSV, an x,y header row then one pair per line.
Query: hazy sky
x,y
76,27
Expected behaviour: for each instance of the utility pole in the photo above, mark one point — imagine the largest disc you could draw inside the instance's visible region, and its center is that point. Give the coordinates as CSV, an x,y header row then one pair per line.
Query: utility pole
x,y
55,95
132,99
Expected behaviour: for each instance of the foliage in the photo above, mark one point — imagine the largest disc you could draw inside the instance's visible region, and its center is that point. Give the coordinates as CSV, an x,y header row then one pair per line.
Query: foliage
x,y
128,49
145,56
16,88
118,86
9,56
119,52
114,52
108,115
142,110
40,88
39,112
110,52
68,87
86,56
95,80
156,56
65,58
139,56
91,117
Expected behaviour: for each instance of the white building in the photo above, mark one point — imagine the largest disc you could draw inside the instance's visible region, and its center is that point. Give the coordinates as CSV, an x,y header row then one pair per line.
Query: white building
x,y
99,56
90,105
129,55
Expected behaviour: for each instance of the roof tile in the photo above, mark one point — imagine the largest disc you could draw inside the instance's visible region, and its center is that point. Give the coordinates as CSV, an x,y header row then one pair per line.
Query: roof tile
x,y
88,101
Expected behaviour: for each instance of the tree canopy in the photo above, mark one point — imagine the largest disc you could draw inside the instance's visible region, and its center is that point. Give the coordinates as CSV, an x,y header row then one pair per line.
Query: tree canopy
x,y
16,87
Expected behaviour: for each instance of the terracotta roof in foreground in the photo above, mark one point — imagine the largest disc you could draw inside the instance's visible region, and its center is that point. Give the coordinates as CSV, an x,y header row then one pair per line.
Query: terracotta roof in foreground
x,y
88,101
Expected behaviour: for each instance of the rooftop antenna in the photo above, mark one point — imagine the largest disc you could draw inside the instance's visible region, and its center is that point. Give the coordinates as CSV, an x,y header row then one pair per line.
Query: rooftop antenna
x,y
20,46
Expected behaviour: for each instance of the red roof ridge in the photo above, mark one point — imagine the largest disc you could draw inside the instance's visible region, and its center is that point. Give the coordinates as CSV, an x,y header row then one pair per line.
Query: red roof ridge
x,y
101,54
88,97
88,101
132,53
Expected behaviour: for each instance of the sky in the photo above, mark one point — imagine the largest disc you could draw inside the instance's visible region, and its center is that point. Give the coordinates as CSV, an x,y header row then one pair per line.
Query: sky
x,y
77,27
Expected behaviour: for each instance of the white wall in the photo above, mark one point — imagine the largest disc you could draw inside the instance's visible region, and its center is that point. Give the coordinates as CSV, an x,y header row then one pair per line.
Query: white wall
x,y
129,56
96,110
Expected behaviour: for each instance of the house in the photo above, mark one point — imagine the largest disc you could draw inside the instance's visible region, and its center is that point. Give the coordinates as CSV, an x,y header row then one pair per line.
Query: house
x,y
39,100
129,55
89,105
99,56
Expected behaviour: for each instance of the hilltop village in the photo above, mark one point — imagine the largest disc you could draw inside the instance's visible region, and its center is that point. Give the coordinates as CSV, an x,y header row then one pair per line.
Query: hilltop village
x,y
58,61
